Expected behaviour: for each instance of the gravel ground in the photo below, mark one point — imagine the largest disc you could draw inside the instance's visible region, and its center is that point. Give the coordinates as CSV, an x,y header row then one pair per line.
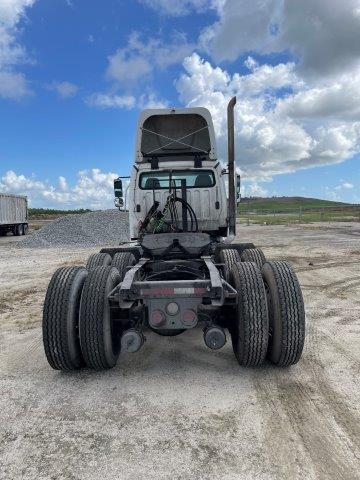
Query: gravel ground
x,y
109,227
176,410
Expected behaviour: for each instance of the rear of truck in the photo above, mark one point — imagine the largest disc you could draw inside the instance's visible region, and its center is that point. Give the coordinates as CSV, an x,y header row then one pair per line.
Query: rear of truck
x,y
182,269
13,214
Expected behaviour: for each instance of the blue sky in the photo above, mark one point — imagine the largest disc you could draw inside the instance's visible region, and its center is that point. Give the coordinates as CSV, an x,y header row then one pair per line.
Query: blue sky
x,y
75,74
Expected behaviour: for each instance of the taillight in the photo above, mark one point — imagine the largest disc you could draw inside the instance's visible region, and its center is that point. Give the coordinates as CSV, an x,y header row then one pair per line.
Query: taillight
x,y
189,318
157,318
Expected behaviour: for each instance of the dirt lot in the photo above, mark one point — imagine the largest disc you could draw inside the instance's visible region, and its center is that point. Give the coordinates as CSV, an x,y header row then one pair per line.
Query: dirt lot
x,y
177,410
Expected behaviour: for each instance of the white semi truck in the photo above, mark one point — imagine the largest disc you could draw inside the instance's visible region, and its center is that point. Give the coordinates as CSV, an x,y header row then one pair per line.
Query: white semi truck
x,y
13,214
183,269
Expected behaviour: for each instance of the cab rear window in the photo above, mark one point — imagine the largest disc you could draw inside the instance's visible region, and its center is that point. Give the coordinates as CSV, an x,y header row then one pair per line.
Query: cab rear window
x,y
161,180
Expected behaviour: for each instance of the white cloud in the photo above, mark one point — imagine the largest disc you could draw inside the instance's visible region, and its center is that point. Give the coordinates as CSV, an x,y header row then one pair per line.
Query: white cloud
x,y
128,102
108,100
93,189
323,34
345,186
269,138
63,89
139,58
150,100
63,184
336,99
12,10
127,66
242,27
133,65
13,84
255,190
178,8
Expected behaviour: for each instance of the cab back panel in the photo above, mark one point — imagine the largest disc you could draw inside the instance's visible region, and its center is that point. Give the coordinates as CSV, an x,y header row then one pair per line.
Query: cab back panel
x,y
203,202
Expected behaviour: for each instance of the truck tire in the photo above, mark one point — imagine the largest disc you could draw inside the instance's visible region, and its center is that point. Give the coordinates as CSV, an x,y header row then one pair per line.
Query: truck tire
x,y
61,318
286,313
250,328
98,260
255,255
17,230
99,340
228,257
121,261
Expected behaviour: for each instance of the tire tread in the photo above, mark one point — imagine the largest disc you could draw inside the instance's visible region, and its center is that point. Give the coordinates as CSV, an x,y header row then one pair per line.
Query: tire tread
x,y
292,312
122,260
55,316
98,260
252,314
229,257
91,317
255,255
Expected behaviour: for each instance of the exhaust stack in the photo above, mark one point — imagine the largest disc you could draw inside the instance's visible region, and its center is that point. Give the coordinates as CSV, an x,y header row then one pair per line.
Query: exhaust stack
x,y
231,167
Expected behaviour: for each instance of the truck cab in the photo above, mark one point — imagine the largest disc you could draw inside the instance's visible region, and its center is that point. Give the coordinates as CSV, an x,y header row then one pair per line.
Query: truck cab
x,y
176,153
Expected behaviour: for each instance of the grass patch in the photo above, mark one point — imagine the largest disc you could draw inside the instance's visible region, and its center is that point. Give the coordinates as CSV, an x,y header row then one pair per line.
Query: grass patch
x,y
49,212
285,210
307,217
286,204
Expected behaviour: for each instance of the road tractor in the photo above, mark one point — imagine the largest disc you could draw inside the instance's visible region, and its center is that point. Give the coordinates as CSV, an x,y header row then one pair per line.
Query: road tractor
x,y
183,267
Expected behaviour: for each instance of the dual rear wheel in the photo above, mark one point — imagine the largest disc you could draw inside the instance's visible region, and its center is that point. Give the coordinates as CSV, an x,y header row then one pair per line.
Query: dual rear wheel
x,y
78,325
79,328
269,316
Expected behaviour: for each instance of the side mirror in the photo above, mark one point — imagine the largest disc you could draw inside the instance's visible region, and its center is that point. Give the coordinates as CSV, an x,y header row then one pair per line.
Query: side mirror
x,y
118,190
238,188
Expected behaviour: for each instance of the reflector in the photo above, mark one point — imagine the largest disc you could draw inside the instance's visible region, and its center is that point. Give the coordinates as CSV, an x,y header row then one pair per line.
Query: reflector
x,y
172,308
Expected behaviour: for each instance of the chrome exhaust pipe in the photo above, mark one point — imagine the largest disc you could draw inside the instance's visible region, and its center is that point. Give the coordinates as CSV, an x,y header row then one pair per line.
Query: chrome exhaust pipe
x,y
231,167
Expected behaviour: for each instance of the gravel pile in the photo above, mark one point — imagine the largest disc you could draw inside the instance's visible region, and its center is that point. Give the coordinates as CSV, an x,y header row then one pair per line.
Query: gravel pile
x,y
107,228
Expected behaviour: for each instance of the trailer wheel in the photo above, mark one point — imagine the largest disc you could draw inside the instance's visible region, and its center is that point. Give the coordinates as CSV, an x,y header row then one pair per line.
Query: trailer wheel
x,y
121,261
286,313
255,255
250,328
99,338
17,230
98,260
61,318
228,257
